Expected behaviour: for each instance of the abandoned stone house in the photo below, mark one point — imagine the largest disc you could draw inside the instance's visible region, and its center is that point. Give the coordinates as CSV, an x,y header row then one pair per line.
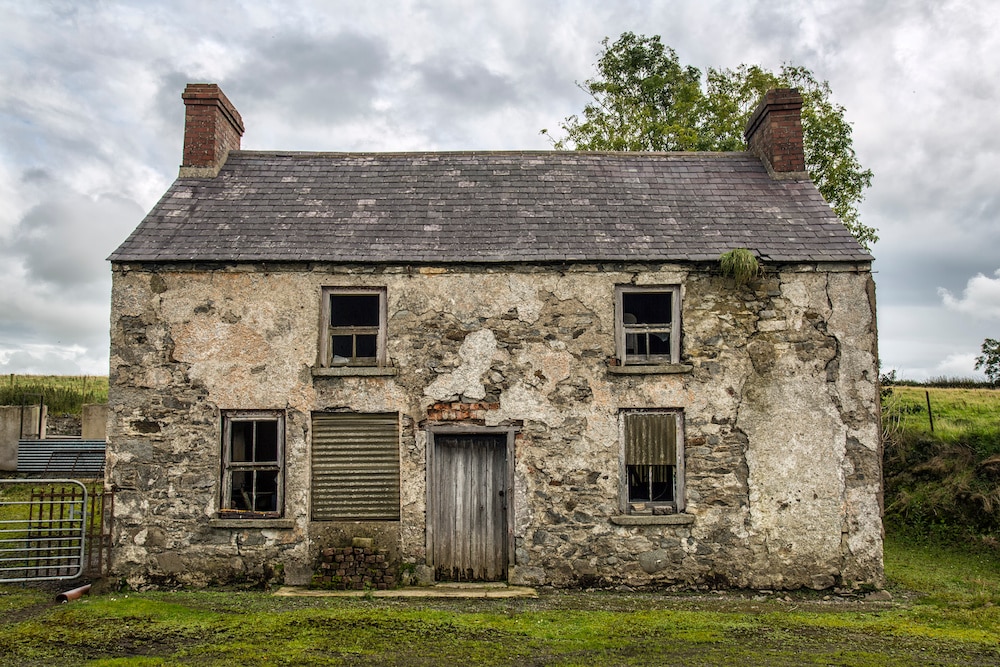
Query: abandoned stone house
x,y
519,366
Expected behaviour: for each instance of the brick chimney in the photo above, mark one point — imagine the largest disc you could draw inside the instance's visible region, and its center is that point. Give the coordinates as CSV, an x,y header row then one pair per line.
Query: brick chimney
x,y
774,133
212,128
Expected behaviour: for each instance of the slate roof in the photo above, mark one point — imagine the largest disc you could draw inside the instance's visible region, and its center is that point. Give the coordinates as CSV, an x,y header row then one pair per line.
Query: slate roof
x,y
552,206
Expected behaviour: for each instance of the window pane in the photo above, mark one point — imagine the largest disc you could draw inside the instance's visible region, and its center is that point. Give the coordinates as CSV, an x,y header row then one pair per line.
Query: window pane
x,y
343,349
266,496
354,310
650,483
646,307
241,492
661,483
659,343
242,441
267,441
366,345
638,483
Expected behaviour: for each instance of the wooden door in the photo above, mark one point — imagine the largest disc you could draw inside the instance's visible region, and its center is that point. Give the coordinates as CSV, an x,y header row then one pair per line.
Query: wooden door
x,y
467,495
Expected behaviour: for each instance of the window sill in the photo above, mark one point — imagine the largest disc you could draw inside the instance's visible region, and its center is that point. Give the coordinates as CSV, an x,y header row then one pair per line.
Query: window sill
x,y
650,369
280,524
652,520
354,371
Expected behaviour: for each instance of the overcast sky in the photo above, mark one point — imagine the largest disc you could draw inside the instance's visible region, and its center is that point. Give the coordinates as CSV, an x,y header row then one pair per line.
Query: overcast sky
x,y
91,124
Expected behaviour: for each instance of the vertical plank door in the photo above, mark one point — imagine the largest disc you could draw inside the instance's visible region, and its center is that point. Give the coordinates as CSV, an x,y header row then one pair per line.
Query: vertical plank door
x,y
469,507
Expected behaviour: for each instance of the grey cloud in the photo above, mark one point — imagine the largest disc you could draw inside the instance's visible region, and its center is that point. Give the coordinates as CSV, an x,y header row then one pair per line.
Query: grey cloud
x,y
63,241
314,78
471,86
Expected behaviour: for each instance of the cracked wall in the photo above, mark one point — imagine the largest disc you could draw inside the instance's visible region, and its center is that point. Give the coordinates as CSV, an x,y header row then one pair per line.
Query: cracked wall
x,y
782,472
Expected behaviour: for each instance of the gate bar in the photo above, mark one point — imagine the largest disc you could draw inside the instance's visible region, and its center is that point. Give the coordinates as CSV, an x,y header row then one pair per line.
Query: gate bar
x,y
79,553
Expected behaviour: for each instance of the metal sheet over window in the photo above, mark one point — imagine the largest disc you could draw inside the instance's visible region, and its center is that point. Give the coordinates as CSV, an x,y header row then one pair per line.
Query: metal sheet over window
x,y
651,438
355,467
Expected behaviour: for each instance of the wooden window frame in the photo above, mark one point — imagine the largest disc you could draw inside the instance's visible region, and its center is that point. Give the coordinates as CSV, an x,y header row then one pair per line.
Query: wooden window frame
x,y
628,506
226,504
623,330
327,331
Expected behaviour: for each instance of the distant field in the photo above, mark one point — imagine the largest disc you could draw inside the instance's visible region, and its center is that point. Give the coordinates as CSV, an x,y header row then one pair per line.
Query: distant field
x,y
62,393
957,413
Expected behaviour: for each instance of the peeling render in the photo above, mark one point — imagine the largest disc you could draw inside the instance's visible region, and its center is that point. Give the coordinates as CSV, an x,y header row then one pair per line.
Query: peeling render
x,y
782,467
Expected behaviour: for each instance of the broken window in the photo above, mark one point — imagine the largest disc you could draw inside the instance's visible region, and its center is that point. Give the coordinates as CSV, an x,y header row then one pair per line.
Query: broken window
x,y
252,458
648,325
355,327
653,459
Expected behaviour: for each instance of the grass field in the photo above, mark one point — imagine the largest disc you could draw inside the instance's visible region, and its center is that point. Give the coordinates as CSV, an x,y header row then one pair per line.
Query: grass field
x,y
943,483
62,393
956,413
946,611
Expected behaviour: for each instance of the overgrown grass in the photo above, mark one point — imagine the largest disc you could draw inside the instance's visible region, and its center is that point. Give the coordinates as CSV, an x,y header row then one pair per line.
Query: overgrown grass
x,y
946,612
61,393
943,483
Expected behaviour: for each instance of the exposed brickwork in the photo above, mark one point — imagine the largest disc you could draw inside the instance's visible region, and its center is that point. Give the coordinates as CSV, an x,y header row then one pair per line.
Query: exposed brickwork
x,y
460,411
774,132
212,126
355,568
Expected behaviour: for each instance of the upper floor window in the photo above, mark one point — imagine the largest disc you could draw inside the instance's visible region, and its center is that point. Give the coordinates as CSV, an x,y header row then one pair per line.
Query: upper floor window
x,y
354,322
253,443
648,324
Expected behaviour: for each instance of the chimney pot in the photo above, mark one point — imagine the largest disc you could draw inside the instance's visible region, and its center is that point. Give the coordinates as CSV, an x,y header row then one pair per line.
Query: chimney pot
x,y
212,128
774,133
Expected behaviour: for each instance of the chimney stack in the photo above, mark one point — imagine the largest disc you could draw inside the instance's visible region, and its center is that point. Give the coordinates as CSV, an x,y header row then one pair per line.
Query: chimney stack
x,y
212,128
774,133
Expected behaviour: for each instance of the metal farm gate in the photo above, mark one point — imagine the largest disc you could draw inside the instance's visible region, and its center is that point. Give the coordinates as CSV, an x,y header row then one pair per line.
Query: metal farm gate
x,y
52,529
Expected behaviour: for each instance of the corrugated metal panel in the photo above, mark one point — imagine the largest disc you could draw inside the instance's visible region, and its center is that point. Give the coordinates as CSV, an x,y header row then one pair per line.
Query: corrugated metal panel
x,y
72,456
355,466
651,438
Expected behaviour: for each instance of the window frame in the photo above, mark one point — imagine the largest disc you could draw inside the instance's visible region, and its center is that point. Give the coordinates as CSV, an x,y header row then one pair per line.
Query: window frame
x,y
678,504
327,330
623,330
226,504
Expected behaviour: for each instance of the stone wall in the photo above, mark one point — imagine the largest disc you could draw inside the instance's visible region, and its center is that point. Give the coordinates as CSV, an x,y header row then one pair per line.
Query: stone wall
x,y
779,400
94,421
18,422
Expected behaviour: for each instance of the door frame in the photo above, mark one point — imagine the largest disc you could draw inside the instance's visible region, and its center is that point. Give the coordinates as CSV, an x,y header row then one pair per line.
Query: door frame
x,y
472,430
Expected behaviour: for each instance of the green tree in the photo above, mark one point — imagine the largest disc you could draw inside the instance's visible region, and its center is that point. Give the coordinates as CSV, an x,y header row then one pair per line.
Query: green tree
x,y
989,360
643,99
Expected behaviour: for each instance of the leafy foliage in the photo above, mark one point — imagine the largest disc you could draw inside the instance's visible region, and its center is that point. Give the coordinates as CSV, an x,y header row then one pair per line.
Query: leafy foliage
x,y
644,99
989,360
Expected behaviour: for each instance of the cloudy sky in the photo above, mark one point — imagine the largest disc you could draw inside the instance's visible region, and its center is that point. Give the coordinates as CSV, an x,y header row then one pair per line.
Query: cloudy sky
x,y
91,126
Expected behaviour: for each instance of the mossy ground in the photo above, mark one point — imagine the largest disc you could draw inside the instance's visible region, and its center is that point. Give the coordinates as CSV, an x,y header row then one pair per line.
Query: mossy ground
x,y
946,611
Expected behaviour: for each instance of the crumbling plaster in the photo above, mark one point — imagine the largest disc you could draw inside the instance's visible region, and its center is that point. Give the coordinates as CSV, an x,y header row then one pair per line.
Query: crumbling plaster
x,y
781,439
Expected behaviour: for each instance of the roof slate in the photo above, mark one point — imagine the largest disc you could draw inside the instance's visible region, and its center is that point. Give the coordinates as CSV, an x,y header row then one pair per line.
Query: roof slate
x,y
552,206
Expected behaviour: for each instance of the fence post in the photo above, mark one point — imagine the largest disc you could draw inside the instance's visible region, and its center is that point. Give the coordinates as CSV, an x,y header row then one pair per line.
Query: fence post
x,y
930,415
